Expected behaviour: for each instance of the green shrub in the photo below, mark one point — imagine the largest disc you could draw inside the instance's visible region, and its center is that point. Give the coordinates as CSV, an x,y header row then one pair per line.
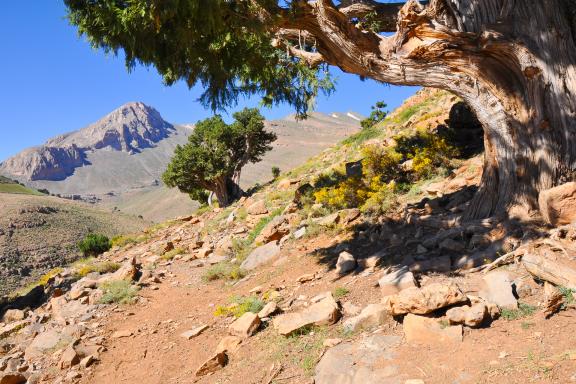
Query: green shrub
x,y
340,292
239,305
171,254
94,244
120,292
88,265
224,270
523,310
275,172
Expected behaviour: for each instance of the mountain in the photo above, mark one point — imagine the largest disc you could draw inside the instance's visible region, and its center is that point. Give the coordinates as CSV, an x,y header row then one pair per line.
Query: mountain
x,y
118,161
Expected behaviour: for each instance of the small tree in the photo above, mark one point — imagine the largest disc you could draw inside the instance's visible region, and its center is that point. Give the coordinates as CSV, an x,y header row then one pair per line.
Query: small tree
x,y
275,172
377,115
94,244
216,153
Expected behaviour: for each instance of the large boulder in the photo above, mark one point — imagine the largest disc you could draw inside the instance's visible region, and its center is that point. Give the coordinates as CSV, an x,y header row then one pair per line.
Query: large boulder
x,y
372,315
426,330
558,204
324,312
498,290
245,326
258,208
261,255
367,360
396,281
346,263
425,300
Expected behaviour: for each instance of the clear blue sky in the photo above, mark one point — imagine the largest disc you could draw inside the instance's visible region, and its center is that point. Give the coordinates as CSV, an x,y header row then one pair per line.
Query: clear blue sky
x,y
53,82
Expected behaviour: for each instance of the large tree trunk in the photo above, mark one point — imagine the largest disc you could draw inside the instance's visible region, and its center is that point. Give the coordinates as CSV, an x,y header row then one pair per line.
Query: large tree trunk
x,y
227,190
512,61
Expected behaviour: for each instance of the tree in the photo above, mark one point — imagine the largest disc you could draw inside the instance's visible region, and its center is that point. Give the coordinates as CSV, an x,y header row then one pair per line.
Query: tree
x,y
377,115
513,62
215,154
275,172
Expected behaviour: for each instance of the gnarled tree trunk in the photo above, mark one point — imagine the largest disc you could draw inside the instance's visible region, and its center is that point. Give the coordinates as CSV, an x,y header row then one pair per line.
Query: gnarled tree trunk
x,y
227,190
512,61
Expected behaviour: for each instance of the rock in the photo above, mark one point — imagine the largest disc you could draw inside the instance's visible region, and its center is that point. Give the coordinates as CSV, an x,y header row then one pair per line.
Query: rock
x,y
558,204
426,299
420,249
257,289
12,315
396,281
276,229
268,310
425,330
329,343
229,344
328,221
372,315
128,271
324,312
88,361
194,332
346,263
451,245
69,358
258,208
553,299
245,326
261,255
414,381
45,342
349,215
305,278
472,316
439,264
365,361
12,378
284,184
351,309
300,233
121,334
213,364
498,290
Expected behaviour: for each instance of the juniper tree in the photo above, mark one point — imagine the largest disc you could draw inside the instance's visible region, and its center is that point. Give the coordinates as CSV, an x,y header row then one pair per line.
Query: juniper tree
x,y
512,61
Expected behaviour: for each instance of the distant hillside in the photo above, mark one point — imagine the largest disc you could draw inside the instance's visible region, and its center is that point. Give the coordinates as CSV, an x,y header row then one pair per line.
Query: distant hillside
x,y
10,186
118,160
38,233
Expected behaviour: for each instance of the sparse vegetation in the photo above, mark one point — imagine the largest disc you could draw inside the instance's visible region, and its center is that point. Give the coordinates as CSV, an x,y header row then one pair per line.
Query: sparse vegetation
x,y
94,244
239,305
340,292
224,270
568,296
173,253
524,310
275,172
119,292
88,265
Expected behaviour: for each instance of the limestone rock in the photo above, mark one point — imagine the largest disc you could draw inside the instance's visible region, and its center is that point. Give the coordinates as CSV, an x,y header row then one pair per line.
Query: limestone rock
x,y
261,255
276,229
558,204
213,364
498,290
43,343
472,316
194,332
372,315
268,310
299,233
553,299
346,263
396,281
229,344
69,358
245,326
324,312
425,330
367,360
426,299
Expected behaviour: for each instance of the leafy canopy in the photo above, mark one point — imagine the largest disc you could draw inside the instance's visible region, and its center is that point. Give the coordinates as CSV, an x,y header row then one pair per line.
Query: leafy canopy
x,y
377,115
216,152
225,45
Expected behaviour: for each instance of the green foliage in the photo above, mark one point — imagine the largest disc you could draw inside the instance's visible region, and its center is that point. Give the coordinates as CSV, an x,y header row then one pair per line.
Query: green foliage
x,y
377,115
261,224
239,305
119,291
362,136
226,46
224,270
94,244
340,292
217,151
524,310
123,240
173,253
568,296
42,281
275,172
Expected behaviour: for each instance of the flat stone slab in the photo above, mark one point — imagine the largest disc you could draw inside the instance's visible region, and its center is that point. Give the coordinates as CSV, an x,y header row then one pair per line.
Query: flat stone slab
x,y
261,255
365,361
498,290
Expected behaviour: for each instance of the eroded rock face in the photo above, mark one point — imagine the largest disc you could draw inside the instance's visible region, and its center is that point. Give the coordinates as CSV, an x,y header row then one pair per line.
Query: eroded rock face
x,y
368,360
425,300
558,204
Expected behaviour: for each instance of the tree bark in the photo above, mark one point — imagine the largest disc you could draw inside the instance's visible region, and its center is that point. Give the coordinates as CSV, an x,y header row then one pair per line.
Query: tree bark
x,y
512,61
227,190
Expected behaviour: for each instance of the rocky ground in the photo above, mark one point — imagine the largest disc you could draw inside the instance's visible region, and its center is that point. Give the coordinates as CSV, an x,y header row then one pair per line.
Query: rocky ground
x,y
407,298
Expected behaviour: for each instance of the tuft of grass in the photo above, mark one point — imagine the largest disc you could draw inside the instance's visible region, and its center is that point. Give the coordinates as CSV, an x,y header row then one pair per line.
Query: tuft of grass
x,y
568,296
524,310
120,292
224,270
340,292
303,347
173,253
240,305
88,265
123,240
42,280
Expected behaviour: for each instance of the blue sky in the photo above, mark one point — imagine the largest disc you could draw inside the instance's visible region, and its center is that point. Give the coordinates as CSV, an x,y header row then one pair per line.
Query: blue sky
x,y
53,82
